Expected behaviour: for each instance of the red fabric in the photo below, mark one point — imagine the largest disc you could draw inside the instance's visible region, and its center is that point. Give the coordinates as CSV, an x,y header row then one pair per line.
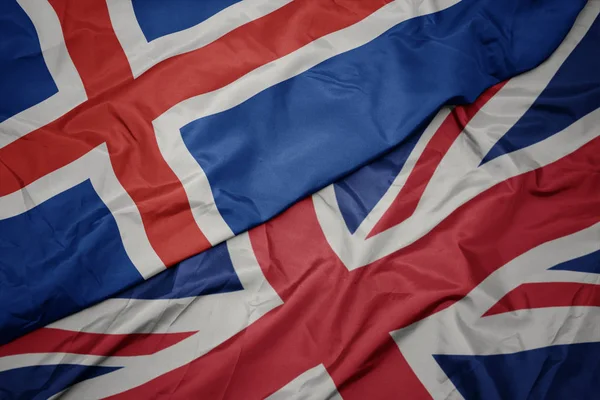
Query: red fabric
x,y
50,340
121,114
343,319
541,295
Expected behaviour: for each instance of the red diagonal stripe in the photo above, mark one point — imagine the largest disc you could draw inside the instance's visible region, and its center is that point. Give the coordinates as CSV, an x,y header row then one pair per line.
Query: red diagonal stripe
x,y
542,295
406,202
171,81
50,340
92,44
342,319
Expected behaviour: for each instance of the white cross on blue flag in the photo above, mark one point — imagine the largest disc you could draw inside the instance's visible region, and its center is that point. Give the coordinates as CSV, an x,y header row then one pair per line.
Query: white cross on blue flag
x,y
299,199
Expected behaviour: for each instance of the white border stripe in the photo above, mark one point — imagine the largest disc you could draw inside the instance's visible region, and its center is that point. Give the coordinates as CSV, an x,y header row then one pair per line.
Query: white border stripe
x,y
124,316
388,198
192,177
96,167
459,178
316,383
460,329
565,276
167,126
30,360
330,216
70,87
142,54
215,317
357,253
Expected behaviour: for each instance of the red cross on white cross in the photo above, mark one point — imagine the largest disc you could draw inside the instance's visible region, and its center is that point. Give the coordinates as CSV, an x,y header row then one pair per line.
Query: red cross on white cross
x,y
120,109
332,315
343,319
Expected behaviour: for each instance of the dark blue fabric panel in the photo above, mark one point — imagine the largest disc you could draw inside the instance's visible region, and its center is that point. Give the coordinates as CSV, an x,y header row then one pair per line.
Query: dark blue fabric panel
x,y
549,373
209,272
589,263
360,191
159,17
44,381
24,77
300,135
58,258
572,93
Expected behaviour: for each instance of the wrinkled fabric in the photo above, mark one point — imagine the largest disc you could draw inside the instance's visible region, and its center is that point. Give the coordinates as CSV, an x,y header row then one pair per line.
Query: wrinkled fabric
x,y
461,260
248,162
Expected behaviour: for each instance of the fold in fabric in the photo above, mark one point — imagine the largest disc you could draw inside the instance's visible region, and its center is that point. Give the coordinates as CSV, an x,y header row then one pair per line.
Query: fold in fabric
x,y
316,115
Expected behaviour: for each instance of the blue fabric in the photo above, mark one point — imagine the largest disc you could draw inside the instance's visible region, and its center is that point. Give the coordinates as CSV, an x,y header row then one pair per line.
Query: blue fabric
x,y
44,381
589,263
209,272
159,18
550,373
578,80
302,134
61,256
359,192
24,77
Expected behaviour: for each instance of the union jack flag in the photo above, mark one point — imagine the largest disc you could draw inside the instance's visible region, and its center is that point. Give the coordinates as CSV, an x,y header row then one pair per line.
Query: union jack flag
x,y
461,261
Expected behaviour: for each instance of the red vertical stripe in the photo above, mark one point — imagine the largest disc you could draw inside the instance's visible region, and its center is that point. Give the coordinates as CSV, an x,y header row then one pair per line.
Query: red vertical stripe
x,y
92,44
